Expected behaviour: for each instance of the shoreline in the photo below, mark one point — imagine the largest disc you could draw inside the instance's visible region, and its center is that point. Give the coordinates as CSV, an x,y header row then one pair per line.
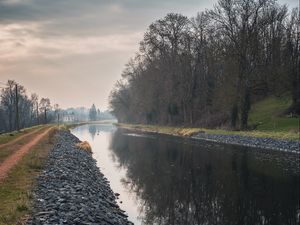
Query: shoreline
x,y
268,143
72,190
252,142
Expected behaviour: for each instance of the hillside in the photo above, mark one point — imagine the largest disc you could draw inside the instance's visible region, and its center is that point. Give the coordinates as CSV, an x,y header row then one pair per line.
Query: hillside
x,y
269,115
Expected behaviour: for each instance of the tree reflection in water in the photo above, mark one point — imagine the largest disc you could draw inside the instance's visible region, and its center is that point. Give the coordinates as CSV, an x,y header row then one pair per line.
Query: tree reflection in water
x,y
97,128
180,183
93,130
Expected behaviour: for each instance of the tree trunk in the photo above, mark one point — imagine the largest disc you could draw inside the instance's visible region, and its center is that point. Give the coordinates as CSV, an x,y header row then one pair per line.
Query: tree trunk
x,y
10,120
45,116
245,108
37,114
234,115
235,107
191,116
295,107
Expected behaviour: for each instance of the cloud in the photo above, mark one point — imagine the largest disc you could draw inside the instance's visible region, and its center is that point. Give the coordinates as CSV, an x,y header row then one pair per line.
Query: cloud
x,y
71,42
23,40
61,28
115,8
16,39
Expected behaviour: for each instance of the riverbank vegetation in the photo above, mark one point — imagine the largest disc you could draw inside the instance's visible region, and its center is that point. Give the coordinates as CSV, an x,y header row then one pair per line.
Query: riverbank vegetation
x,y
269,115
7,137
15,192
216,70
19,111
187,132
265,115
13,146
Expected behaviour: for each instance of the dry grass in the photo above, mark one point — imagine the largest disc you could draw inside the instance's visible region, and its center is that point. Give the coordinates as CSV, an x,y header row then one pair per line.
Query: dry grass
x,y
6,151
187,132
85,146
15,191
267,115
7,137
176,131
69,126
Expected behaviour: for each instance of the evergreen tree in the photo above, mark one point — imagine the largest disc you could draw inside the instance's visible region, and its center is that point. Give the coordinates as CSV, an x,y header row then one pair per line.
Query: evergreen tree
x,y
93,113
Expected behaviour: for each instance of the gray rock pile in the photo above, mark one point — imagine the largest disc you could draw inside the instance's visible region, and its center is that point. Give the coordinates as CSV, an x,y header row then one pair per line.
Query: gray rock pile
x,y
265,143
72,190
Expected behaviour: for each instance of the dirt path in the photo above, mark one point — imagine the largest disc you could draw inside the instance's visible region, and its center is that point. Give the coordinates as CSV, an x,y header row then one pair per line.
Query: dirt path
x,y
13,159
19,138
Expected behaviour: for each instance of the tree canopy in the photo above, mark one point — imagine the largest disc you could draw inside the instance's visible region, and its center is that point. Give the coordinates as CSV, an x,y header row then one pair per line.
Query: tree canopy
x,y
210,69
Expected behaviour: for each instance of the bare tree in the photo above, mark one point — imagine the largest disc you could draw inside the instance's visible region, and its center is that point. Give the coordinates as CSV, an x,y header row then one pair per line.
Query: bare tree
x,y
35,108
45,106
9,97
209,70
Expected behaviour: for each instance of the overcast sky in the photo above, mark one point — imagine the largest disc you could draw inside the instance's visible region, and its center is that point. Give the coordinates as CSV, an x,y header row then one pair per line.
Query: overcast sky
x,y
73,51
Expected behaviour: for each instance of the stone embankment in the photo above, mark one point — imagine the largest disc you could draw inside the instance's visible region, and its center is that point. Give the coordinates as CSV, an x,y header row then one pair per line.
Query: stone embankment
x,y
265,143
72,190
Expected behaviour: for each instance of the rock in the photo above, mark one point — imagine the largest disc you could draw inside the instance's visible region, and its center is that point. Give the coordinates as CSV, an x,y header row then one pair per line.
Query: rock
x,y
72,190
264,143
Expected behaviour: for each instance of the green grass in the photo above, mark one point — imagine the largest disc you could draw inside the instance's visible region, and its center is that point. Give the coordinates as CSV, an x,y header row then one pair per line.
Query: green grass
x,y
11,148
7,137
268,115
187,132
15,191
69,126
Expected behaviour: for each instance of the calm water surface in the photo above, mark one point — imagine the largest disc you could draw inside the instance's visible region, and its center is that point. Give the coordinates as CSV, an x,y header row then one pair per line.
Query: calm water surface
x,y
164,180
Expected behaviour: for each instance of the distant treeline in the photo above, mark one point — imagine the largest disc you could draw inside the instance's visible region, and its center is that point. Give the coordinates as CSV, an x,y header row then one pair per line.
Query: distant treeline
x,y
209,69
18,110
95,114
82,114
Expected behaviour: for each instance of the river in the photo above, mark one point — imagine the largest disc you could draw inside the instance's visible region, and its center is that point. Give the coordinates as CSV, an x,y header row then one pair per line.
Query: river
x,y
167,180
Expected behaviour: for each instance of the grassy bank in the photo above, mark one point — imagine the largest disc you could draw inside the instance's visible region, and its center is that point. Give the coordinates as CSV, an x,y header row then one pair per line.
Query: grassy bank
x,y
267,116
12,148
187,132
7,137
69,126
15,190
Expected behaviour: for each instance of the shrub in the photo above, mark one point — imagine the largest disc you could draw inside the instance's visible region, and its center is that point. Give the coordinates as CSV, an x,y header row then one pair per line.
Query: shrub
x,y
84,145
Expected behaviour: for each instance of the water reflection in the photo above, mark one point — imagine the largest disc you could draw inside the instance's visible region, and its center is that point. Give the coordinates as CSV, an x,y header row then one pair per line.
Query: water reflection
x,y
93,130
99,136
98,128
186,183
